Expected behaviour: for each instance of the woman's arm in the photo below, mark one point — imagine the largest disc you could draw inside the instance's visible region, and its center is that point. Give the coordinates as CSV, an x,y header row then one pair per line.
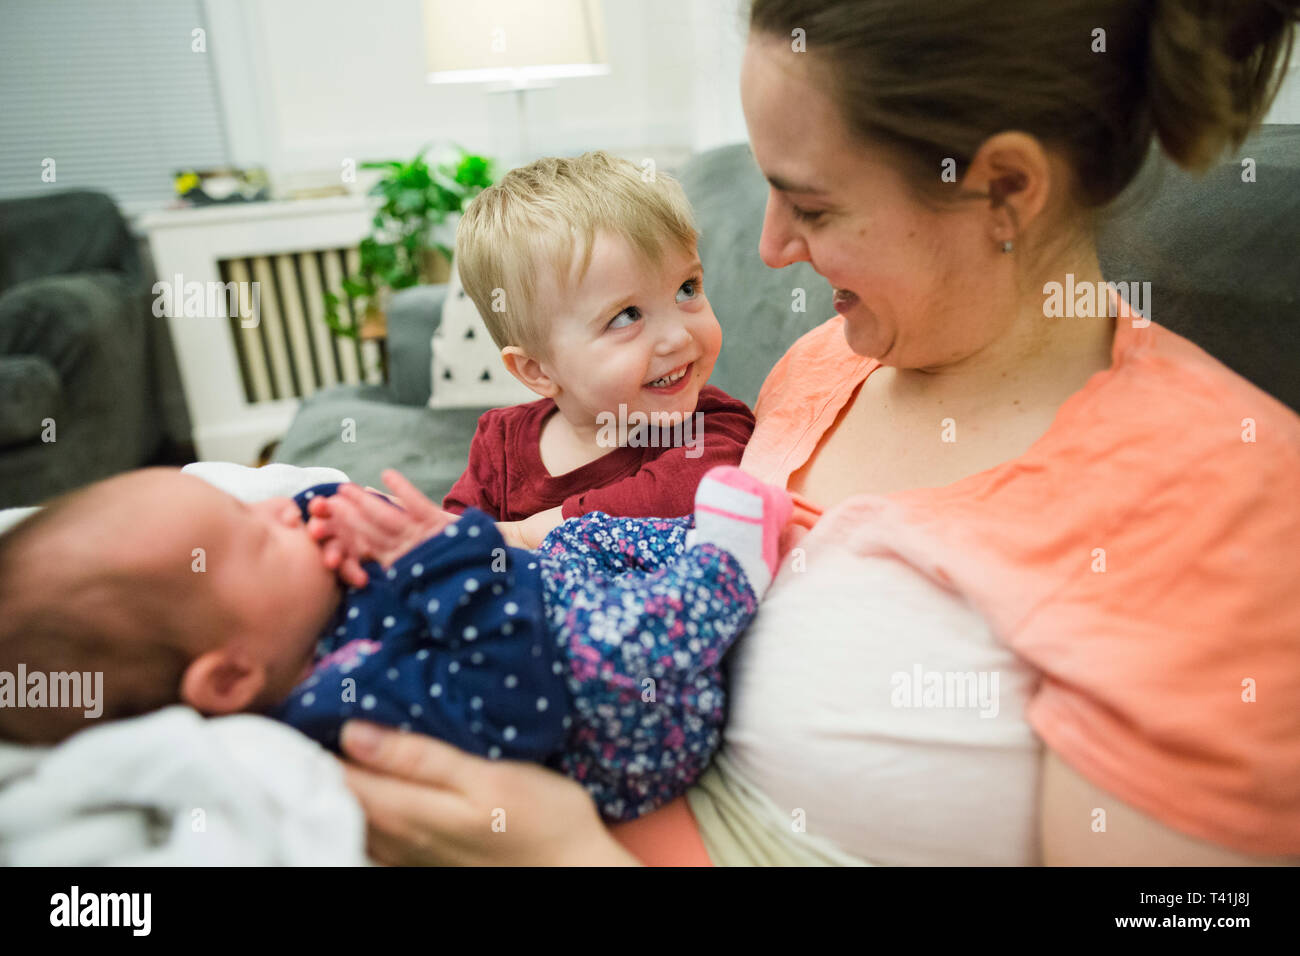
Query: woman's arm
x,y
1068,812
428,803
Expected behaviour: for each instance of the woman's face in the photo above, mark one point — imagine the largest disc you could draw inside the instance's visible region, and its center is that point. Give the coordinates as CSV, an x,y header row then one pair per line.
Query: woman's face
x,y
917,287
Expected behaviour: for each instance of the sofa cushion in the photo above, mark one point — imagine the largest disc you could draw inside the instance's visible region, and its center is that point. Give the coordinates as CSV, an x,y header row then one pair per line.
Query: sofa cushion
x,y
361,431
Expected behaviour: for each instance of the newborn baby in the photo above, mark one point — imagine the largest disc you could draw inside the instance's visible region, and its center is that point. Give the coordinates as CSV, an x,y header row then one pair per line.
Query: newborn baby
x,y
599,655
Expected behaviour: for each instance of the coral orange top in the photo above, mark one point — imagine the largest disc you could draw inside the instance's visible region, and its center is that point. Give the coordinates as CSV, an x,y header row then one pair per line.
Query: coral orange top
x,y
1143,556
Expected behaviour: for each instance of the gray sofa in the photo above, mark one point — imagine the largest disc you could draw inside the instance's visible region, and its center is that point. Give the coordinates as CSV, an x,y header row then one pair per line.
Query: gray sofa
x,y
1223,257
79,346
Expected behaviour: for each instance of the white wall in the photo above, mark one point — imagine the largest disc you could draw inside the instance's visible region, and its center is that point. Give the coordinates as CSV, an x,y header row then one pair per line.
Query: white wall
x,y
308,83
1286,108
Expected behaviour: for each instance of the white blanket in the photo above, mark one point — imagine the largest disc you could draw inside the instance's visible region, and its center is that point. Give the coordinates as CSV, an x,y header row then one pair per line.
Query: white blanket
x,y
172,788
257,484
244,483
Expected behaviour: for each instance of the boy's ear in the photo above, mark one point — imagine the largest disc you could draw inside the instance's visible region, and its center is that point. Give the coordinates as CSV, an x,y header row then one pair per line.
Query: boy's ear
x,y
529,371
222,681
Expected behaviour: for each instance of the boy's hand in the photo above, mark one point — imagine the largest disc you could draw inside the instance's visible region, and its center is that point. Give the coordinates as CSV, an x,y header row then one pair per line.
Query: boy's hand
x,y
530,532
354,526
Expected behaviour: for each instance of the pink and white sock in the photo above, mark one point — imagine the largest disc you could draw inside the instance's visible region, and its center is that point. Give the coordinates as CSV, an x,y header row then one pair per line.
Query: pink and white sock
x,y
740,514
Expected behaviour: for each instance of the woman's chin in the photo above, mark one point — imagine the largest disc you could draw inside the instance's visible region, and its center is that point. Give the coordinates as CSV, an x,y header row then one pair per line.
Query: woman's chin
x,y
865,336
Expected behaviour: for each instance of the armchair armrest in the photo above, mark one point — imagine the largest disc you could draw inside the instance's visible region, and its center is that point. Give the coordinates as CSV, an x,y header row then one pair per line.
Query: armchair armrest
x,y
31,391
413,317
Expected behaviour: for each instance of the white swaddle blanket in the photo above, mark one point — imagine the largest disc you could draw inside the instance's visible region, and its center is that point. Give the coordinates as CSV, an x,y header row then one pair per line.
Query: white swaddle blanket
x,y
171,788
244,483
257,484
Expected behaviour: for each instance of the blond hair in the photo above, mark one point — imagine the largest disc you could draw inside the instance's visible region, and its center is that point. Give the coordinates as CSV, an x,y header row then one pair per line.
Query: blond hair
x,y
541,215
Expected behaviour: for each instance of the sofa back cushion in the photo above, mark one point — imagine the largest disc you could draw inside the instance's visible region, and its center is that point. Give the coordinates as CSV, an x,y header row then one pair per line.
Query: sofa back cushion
x,y
1222,254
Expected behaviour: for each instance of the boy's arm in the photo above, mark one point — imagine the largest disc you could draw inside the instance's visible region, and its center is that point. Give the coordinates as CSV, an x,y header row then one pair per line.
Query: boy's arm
x,y
666,486
529,532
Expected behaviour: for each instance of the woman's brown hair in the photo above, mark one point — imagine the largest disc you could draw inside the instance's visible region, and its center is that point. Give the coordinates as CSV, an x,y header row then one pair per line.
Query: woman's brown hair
x,y
933,79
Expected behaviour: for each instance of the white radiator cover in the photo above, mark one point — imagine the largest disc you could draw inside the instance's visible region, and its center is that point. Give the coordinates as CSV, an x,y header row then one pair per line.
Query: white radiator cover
x,y
243,384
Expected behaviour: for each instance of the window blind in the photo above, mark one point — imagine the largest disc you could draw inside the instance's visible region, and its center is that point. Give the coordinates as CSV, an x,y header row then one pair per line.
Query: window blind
x,y
111,92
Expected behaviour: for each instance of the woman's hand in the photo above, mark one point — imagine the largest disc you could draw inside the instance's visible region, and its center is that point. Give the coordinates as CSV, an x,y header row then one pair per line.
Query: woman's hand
x,y
354,525
429,803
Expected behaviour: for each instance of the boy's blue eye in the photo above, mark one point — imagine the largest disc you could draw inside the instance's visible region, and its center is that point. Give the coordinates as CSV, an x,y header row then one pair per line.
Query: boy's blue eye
x,y
693,285
632,313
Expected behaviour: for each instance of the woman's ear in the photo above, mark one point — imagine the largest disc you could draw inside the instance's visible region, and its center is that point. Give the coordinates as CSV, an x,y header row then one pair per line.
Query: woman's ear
x,y
529,370
222,681
1014,172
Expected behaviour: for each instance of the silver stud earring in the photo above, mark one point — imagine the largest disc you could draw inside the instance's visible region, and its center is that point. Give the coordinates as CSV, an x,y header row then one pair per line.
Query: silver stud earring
x,y
1008,246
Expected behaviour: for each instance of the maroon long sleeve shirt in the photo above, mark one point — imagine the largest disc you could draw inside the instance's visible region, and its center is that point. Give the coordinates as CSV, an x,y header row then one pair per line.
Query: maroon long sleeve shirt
x,y
507,480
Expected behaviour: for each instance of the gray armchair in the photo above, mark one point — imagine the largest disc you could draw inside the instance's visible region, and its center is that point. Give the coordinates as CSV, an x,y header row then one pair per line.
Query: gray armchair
x,y
1221,256
84,365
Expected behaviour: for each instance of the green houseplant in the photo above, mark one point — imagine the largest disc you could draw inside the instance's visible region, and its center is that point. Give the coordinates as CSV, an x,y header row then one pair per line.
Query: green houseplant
x,y
401,249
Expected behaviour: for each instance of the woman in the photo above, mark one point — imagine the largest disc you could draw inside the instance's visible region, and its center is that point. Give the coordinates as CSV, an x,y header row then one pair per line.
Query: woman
x,y
1038,603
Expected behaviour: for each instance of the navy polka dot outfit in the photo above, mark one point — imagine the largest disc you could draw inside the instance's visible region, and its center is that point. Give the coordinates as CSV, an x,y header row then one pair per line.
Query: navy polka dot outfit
x,y
599,655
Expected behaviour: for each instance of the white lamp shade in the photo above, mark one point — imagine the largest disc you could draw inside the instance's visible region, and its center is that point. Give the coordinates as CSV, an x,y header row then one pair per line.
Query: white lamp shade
x,y
513,40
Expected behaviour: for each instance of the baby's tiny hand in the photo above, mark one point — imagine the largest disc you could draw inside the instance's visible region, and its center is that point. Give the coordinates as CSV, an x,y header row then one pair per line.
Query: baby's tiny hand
x,y
334,525
354,526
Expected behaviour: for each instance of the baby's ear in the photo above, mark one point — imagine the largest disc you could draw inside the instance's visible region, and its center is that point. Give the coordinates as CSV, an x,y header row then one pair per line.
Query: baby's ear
x,y
529,371
222,681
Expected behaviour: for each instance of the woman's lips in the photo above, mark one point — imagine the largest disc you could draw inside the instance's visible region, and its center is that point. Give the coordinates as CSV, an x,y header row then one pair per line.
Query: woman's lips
x,y
676,386
844,300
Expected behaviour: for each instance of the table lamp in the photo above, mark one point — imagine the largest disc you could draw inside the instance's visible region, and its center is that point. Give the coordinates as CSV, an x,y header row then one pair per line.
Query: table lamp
x,y
517,45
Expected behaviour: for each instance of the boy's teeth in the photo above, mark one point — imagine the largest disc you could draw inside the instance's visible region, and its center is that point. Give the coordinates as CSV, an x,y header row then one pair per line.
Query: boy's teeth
x,y
667,379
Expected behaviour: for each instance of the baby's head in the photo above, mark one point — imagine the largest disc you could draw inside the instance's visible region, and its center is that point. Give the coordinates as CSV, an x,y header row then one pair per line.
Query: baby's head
x,y
173,590
587,275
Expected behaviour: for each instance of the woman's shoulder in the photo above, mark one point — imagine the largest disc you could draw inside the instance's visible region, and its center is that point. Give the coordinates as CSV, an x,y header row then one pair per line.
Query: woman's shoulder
x,y
1172,415
1181,380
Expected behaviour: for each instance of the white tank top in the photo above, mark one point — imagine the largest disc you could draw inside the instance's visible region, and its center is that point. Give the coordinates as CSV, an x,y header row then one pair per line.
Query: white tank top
x,y
876,709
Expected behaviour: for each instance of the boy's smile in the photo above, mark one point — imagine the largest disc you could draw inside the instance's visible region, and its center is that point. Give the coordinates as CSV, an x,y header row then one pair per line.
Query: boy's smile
x,y
673,382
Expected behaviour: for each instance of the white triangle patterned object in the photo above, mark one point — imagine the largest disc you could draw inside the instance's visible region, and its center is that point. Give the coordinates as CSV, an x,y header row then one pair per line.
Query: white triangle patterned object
x,y
467,368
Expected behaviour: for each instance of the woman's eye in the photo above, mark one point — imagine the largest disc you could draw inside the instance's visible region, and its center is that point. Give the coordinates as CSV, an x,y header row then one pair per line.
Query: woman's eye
x,y
692,287
625,318
804,215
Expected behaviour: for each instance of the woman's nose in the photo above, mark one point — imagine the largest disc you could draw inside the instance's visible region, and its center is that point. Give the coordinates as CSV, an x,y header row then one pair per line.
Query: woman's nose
x,y
779,245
